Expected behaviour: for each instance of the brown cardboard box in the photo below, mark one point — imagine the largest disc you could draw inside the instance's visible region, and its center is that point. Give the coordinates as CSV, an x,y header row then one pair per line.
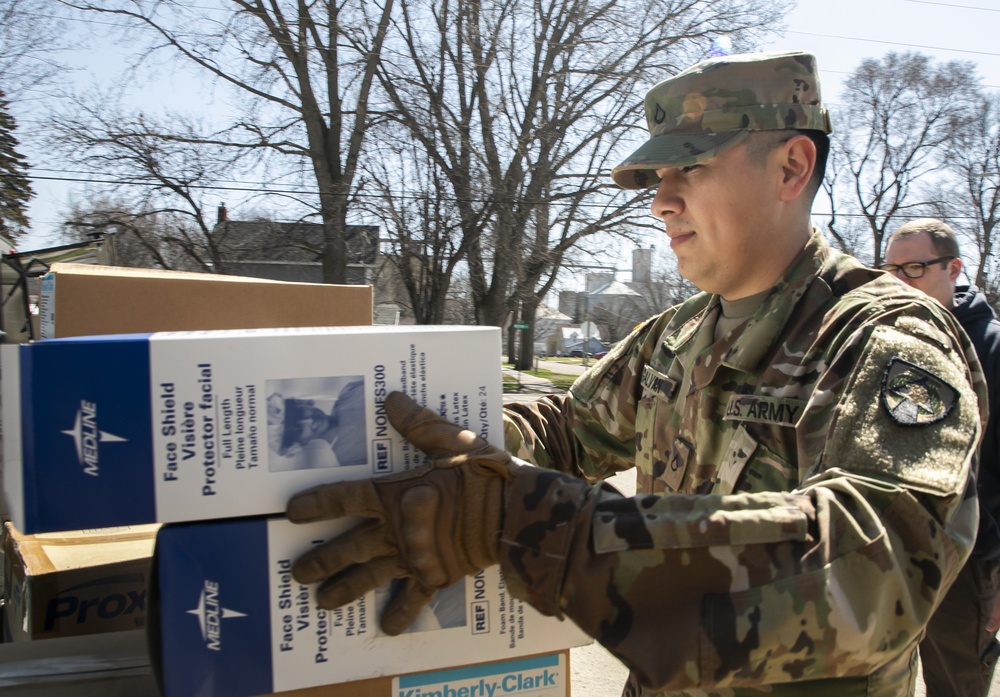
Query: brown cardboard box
x,y
72,583
83,299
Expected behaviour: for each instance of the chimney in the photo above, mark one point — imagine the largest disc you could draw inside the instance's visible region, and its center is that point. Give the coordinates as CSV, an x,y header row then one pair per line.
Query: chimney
x,y
597,280
223,214
641,262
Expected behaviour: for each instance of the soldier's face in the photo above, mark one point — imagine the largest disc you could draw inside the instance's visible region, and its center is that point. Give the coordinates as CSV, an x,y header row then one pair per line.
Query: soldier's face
x,y
938,280
723,216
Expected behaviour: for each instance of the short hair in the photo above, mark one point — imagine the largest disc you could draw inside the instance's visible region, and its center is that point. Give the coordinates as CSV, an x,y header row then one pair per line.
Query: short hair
x,y
943,238
760,143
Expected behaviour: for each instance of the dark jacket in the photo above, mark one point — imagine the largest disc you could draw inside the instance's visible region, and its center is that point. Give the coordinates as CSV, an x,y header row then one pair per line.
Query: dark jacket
x,y
980,322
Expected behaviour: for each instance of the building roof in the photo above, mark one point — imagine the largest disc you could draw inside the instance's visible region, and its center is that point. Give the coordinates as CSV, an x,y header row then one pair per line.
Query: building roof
x,y
550,314
254,240
610,290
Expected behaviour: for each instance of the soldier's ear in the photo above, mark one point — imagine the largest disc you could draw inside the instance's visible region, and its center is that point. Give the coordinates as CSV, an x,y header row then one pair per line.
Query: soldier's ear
x,y
797,157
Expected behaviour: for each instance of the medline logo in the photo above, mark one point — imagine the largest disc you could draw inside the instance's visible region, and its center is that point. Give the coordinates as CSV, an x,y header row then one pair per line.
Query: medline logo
x,y
86,436
210,615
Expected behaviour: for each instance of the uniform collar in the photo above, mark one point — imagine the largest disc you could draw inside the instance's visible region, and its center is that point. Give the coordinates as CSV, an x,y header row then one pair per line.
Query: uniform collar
x,y
757,338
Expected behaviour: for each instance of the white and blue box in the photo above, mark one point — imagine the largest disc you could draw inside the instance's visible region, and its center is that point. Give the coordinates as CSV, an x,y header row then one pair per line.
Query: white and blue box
x,y
233,622
175,426
534,676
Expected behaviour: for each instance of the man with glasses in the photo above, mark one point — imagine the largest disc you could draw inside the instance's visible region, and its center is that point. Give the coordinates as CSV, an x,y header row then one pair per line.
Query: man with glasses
x,y
960,650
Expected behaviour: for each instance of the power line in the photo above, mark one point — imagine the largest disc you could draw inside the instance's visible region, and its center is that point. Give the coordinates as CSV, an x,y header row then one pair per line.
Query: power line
x,y
87,20
895,43
961,7
264,189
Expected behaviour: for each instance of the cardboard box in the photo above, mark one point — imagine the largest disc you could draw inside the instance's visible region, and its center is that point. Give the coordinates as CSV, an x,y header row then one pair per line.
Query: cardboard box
x,y
117,665
233,622
82,582
126,430
83,299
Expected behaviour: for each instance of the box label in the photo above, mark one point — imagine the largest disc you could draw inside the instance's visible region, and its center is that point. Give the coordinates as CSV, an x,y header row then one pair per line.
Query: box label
x,y
88,429
47,307
211,583
537,676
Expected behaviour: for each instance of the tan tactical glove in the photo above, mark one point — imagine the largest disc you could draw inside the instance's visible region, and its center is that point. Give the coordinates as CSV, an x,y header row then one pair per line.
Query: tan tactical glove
x,y
430,526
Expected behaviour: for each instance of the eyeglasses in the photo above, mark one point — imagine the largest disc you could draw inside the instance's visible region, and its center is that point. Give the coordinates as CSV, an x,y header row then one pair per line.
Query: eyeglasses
x,y
914,269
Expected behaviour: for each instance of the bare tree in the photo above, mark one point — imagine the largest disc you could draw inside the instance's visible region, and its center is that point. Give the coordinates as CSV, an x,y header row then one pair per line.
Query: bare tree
x,y
900,111
161,204
303,69
141,239
31,36
972,158
522,107
424,244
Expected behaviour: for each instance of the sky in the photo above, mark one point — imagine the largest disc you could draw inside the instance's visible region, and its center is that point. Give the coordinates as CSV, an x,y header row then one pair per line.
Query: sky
x,y
841,33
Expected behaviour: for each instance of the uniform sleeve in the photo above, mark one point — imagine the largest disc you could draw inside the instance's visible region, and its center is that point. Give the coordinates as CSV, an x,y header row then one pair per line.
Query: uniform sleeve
x,y
835,578
589,432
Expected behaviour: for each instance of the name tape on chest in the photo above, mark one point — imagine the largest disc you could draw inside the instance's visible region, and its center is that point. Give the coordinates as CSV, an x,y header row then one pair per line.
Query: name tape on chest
x,y
658,383
766,410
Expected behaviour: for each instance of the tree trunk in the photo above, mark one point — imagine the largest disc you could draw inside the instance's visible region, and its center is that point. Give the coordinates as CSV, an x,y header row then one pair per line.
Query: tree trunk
x,y
525,359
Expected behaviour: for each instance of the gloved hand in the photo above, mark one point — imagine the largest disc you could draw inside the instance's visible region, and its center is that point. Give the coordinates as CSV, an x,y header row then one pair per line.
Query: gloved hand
x,y
430,526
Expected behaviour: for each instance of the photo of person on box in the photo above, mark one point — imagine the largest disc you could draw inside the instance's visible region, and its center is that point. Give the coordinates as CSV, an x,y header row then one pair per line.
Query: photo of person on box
x,y
317,431
446,610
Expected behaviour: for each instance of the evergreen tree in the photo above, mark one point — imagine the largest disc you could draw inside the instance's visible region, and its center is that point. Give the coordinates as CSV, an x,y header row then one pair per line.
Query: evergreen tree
x,y
15,188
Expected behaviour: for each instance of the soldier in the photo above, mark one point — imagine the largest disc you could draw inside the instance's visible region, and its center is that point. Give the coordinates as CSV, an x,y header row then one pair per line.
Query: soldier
x,y
803,432
959,652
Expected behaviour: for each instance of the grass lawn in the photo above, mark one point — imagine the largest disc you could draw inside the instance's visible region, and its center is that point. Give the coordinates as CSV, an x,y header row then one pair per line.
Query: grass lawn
x,y
561,381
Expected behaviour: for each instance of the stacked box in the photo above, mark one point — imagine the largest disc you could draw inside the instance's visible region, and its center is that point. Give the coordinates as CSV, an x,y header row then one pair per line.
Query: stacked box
x,y
85,299
79,582
174,426
235,623
102,665
217,428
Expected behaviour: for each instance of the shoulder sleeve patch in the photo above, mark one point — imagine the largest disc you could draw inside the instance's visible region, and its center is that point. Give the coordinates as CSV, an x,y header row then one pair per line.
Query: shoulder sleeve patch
x,y
914,396
907,412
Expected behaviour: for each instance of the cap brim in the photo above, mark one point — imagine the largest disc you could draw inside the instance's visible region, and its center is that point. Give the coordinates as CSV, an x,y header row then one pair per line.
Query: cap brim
x,y
638,171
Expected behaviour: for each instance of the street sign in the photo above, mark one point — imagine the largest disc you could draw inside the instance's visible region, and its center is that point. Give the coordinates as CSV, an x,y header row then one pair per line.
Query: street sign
x,y
520,325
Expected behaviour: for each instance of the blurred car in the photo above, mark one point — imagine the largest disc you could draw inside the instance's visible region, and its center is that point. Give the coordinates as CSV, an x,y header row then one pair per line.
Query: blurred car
x,y
578,353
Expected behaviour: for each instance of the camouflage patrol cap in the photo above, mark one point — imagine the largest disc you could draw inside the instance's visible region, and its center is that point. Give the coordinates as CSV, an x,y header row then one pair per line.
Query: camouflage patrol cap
x,y
714,105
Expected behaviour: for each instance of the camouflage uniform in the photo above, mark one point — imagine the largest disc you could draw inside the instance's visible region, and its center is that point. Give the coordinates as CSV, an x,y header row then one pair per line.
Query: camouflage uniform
x,y
803,489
